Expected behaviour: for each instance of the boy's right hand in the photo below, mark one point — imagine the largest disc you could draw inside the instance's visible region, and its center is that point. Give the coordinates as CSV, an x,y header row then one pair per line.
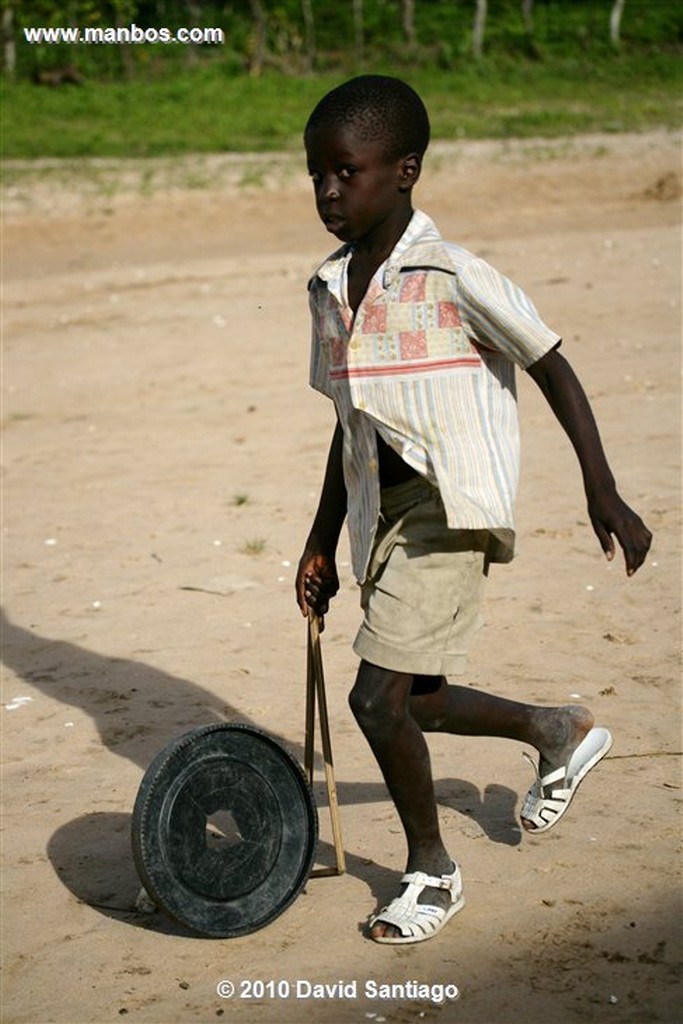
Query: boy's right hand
x,y
316,583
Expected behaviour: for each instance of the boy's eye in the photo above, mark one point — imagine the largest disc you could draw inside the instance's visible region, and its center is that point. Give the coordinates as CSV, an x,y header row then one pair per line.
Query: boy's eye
x,y
314,176
347,172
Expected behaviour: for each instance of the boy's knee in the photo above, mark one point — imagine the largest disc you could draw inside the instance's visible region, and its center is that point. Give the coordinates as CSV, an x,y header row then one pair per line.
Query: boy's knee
x,y
363,704
378,695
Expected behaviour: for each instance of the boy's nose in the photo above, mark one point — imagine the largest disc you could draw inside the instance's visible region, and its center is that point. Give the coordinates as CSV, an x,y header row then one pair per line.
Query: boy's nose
x,y
329,190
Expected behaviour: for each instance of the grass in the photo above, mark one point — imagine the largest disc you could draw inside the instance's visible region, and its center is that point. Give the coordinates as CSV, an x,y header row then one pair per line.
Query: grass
x,y
207,110
256,546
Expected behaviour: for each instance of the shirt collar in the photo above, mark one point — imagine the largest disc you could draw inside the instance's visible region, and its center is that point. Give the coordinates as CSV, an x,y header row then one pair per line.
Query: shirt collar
x,y
420,245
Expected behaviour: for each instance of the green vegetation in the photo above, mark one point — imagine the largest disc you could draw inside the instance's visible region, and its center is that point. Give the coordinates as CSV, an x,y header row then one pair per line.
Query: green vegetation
x,y
205,111
564,77
254,547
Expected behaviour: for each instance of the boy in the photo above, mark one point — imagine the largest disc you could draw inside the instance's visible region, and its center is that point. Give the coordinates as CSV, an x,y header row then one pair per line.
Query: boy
x,y
415,341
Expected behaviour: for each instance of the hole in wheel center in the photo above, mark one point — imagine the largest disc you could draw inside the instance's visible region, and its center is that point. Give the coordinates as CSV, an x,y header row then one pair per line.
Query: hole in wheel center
x,y
221,831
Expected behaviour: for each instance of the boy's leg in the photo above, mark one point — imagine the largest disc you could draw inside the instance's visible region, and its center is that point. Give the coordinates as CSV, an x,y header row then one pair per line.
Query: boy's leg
x,y
393,710
460,710
379,701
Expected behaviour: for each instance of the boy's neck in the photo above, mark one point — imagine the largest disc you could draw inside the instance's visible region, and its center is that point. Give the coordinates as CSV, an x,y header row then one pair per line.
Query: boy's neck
x,y
378,244
369,253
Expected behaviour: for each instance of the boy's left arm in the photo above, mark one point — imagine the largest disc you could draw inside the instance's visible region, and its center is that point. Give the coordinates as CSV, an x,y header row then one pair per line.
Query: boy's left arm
x,y
608,513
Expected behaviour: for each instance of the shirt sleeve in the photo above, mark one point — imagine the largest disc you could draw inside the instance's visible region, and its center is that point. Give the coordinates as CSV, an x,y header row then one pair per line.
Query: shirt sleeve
x,y
500,316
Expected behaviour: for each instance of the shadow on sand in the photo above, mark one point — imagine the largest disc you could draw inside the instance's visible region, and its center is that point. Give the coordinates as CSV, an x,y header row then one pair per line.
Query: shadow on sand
x,y
138,709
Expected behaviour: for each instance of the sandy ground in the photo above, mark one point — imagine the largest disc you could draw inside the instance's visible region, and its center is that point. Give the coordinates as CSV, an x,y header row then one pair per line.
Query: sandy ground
x,y
162,458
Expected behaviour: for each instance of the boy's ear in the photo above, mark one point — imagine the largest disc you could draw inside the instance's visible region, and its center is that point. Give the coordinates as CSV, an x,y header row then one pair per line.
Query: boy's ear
x,y
409,171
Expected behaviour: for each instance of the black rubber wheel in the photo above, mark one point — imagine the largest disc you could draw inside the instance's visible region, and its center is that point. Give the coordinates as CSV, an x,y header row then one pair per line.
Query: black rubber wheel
x,y
224,830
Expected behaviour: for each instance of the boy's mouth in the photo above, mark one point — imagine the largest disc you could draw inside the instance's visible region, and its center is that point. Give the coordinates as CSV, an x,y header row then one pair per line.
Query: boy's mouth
x,y
333,221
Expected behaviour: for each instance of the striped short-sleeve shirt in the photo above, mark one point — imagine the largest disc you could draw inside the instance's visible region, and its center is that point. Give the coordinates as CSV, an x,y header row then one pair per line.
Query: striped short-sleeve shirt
x,y
428,364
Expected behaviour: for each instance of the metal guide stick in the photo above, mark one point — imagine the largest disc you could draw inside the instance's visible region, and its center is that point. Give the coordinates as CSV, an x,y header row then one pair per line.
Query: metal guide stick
x,y
315,687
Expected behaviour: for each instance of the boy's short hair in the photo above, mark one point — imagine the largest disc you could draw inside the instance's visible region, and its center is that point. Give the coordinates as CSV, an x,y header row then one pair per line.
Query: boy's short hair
x,y
377,107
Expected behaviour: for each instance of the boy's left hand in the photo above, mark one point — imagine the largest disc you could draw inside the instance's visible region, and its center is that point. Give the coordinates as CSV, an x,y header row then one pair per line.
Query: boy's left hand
x,y
612,516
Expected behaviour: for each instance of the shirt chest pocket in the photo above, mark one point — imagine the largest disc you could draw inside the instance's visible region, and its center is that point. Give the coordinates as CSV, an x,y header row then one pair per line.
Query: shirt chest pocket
x,y
416,320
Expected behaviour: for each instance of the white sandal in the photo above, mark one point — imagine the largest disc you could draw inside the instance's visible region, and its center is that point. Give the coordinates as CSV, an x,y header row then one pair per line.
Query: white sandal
x,y
550,796
419,921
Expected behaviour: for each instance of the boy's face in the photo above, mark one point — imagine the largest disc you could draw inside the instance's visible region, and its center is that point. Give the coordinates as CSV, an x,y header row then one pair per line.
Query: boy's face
x,y
359,193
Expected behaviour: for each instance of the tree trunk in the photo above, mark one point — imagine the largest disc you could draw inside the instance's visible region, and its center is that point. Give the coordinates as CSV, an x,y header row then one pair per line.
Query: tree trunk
x,y
479,28
125,50
309,33
358,33
258,54
9,47
615,23
409,23
194,12
528,16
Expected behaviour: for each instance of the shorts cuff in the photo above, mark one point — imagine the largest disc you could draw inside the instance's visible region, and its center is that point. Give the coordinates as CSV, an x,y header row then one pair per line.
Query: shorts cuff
x,y
423,663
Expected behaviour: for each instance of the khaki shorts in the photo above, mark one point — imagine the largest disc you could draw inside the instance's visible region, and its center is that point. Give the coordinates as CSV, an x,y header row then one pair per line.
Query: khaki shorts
x,y
424,588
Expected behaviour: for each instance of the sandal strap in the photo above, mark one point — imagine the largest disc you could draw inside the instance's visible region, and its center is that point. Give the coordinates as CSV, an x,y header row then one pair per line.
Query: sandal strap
x,y
546,780
419,880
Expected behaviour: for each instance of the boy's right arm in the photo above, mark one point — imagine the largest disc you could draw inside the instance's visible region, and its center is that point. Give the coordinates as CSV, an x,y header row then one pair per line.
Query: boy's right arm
x,y
316,579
